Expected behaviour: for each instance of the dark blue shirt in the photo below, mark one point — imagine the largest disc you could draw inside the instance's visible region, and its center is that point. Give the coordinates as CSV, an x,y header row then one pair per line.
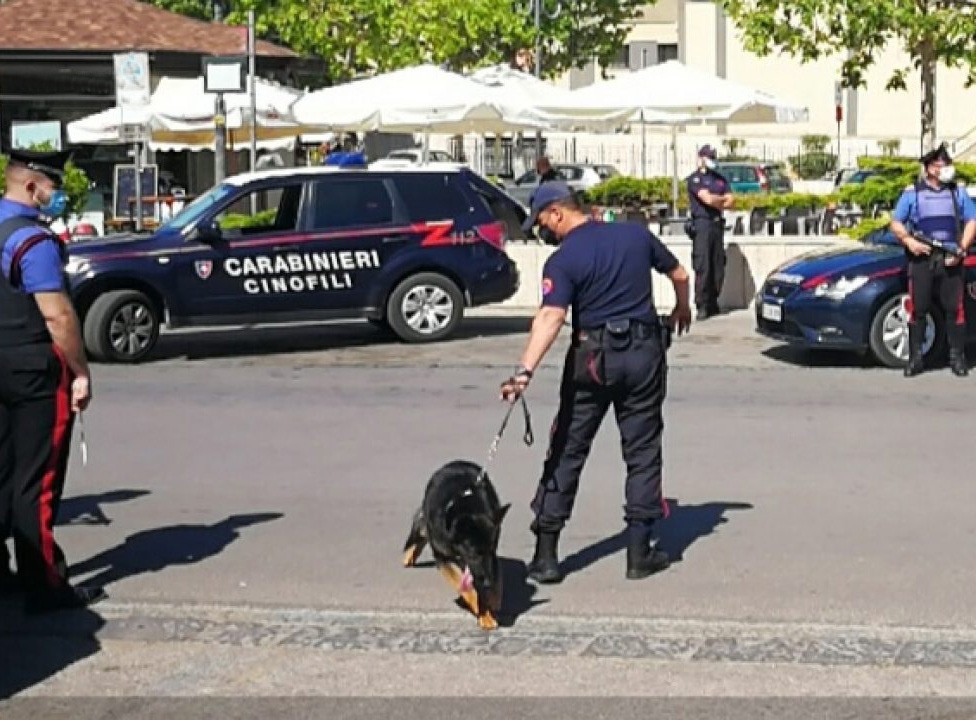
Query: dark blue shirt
x,y
705,180
603,271
41,267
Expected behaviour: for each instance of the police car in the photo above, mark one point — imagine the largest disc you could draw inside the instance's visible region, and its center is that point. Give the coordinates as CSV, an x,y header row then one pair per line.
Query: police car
x,y
407,249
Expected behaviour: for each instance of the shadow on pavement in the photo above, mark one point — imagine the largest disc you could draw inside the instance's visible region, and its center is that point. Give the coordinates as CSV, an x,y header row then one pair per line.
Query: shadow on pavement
x,y
157,549
87,509
34,649
269,340
684,526
803,357
519,593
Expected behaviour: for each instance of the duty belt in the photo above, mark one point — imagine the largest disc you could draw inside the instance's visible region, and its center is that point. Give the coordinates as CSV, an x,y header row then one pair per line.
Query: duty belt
x,y
636,329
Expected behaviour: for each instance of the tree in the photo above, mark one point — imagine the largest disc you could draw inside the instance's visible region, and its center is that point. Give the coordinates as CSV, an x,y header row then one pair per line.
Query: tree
x,y
930,32
353,37
202,9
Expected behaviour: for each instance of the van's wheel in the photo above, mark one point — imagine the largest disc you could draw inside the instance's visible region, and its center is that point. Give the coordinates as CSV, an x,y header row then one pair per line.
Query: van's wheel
x,y
121,326
424,308
889,334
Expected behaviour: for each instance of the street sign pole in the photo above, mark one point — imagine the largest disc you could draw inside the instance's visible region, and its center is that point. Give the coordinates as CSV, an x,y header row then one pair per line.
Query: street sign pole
x,y
220,141
223,74
133,91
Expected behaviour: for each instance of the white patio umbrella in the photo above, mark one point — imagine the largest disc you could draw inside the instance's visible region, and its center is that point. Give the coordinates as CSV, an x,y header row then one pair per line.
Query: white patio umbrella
x,y
674,94
423,98
558,105
180,116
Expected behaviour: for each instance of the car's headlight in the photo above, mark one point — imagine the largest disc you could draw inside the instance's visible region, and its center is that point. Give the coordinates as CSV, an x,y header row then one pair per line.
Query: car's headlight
x,y
840,288
77,266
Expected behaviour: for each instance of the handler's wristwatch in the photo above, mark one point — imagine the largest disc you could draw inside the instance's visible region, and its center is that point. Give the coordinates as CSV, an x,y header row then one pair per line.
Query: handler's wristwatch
x,y
523,371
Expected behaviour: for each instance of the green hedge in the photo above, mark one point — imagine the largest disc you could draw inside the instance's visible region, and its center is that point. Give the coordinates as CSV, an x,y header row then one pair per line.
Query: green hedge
x,y
813,166
636,192
237,221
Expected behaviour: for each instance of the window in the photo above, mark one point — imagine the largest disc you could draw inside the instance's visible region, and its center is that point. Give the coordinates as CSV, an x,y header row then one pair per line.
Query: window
x,y
740,173
274,209
351,203
570,172
622,58
431,196
667,52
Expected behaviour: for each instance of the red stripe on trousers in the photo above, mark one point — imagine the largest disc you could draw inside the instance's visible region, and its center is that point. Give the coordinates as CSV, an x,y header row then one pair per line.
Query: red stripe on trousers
x,y
961,308
62,414
910,302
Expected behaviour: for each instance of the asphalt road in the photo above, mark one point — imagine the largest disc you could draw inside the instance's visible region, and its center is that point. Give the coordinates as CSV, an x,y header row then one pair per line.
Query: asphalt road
x,y
247,498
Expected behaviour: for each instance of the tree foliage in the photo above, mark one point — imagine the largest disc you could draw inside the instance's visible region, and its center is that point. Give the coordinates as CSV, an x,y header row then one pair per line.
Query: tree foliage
x,y
354,37
929,31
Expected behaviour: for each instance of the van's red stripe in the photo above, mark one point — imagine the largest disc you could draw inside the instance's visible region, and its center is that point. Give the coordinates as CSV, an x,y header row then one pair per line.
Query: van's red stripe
x,y
435,231
59,437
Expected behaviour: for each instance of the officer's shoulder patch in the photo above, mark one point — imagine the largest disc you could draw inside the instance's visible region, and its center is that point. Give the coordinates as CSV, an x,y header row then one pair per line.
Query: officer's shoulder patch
x,y
696,179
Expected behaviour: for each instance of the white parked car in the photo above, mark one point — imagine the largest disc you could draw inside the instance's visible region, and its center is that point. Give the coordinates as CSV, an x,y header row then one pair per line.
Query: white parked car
x,y
412,156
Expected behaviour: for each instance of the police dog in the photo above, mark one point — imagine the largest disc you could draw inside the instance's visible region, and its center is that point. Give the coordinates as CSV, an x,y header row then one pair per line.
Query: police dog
x,y
460,518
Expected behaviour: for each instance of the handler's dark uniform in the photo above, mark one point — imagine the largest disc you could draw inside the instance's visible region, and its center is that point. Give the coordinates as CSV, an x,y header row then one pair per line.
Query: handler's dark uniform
x,y
617,358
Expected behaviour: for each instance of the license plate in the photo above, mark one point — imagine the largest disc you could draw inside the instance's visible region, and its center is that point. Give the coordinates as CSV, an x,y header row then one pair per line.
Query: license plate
x,y
772,312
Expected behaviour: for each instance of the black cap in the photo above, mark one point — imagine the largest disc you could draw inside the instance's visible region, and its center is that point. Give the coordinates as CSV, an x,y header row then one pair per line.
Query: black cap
x,y
707,151
50,164
940,153
544,196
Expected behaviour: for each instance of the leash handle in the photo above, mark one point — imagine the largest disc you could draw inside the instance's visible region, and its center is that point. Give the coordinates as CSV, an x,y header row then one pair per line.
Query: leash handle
x,y
84,442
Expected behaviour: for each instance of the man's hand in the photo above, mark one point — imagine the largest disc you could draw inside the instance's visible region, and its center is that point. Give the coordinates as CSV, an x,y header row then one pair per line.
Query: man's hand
x,y
680,319
513,388
80,393
917,247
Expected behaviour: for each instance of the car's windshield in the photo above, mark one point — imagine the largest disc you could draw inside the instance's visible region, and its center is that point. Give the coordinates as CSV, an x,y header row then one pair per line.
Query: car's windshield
x,y
199,206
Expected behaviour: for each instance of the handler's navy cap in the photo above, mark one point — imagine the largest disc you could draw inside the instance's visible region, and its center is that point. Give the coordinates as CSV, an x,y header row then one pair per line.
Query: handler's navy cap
x,y
940,153
708,151
544,196
50,164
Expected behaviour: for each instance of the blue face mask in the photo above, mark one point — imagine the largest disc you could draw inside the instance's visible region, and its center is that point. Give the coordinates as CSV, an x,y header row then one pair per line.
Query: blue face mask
x,y
56,205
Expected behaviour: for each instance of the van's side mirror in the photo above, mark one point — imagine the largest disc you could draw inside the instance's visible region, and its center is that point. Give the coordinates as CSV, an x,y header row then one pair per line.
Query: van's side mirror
x,y
209,230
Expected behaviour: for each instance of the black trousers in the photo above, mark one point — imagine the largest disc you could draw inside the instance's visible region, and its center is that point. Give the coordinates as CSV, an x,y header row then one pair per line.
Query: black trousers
x,y
635,384
35,431
930,275
708,262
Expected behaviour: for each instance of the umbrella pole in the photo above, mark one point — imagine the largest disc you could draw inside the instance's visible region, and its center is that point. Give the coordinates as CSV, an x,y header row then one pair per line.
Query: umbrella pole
x,y
674,169
426,151
643,146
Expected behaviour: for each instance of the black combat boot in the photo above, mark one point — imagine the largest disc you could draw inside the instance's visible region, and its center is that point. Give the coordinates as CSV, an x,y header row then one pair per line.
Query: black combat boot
x,y
643,558
544,567
66,597
957,351
916,334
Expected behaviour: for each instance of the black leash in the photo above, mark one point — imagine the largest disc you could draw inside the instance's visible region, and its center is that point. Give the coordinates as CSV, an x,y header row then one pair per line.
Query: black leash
x,y
527,437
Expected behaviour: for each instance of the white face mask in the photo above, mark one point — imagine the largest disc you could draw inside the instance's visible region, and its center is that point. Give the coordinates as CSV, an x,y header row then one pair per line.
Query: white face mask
x,y
947,173
709,163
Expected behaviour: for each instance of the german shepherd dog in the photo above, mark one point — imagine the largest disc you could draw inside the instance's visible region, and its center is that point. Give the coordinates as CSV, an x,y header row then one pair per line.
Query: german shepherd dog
x,y
460,518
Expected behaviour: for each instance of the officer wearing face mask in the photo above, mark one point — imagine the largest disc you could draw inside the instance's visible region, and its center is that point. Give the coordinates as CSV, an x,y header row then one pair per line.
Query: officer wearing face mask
x,y
617,358
937,209
44,382
708,196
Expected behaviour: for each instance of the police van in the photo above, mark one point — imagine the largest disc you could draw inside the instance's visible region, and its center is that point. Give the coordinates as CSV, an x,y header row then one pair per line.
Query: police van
x,y
407,249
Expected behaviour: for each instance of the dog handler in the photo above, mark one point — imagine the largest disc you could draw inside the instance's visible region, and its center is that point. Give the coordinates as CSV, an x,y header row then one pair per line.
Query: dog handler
x,y
44,381
617,357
